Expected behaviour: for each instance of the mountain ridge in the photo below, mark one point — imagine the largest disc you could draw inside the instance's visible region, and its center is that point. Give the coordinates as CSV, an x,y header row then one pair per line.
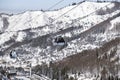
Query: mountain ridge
x,y
38,42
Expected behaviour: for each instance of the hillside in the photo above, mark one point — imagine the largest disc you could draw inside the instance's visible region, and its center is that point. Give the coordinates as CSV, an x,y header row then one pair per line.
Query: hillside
x,y
92,61
89,25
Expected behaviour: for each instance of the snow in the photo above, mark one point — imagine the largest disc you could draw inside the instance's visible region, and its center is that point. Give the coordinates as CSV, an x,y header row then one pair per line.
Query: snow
x,y
83,76
27,20
21,36
33,19
22,78
46,29
4,38
114,22
78,18
1,24
42,77
82,10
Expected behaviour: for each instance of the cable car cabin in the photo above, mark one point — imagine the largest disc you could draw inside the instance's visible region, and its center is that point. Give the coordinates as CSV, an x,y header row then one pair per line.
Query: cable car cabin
x,y
59,41
13,54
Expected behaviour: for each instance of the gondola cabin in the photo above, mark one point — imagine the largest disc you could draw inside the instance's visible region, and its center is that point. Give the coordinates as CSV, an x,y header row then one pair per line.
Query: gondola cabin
x,y
59,41
13,54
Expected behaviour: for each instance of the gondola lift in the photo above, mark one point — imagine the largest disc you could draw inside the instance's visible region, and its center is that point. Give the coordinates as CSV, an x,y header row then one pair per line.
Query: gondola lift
x,y
59,41
13,54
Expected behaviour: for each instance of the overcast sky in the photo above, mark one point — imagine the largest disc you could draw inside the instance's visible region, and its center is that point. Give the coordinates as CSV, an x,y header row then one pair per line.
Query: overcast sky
x,y
18,6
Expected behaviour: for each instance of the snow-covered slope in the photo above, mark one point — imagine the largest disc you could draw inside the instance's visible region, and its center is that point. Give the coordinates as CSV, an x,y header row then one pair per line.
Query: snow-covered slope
x,y
89,64
32,33
32,19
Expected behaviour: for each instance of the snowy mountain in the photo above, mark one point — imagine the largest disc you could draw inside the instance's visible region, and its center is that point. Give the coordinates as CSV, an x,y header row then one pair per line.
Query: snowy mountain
x,y
31,34
90,63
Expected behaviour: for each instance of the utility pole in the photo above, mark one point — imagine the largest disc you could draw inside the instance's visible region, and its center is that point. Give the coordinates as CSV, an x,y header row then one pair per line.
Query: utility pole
x,y
60,74
97,61
30,70
51,73
75,75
